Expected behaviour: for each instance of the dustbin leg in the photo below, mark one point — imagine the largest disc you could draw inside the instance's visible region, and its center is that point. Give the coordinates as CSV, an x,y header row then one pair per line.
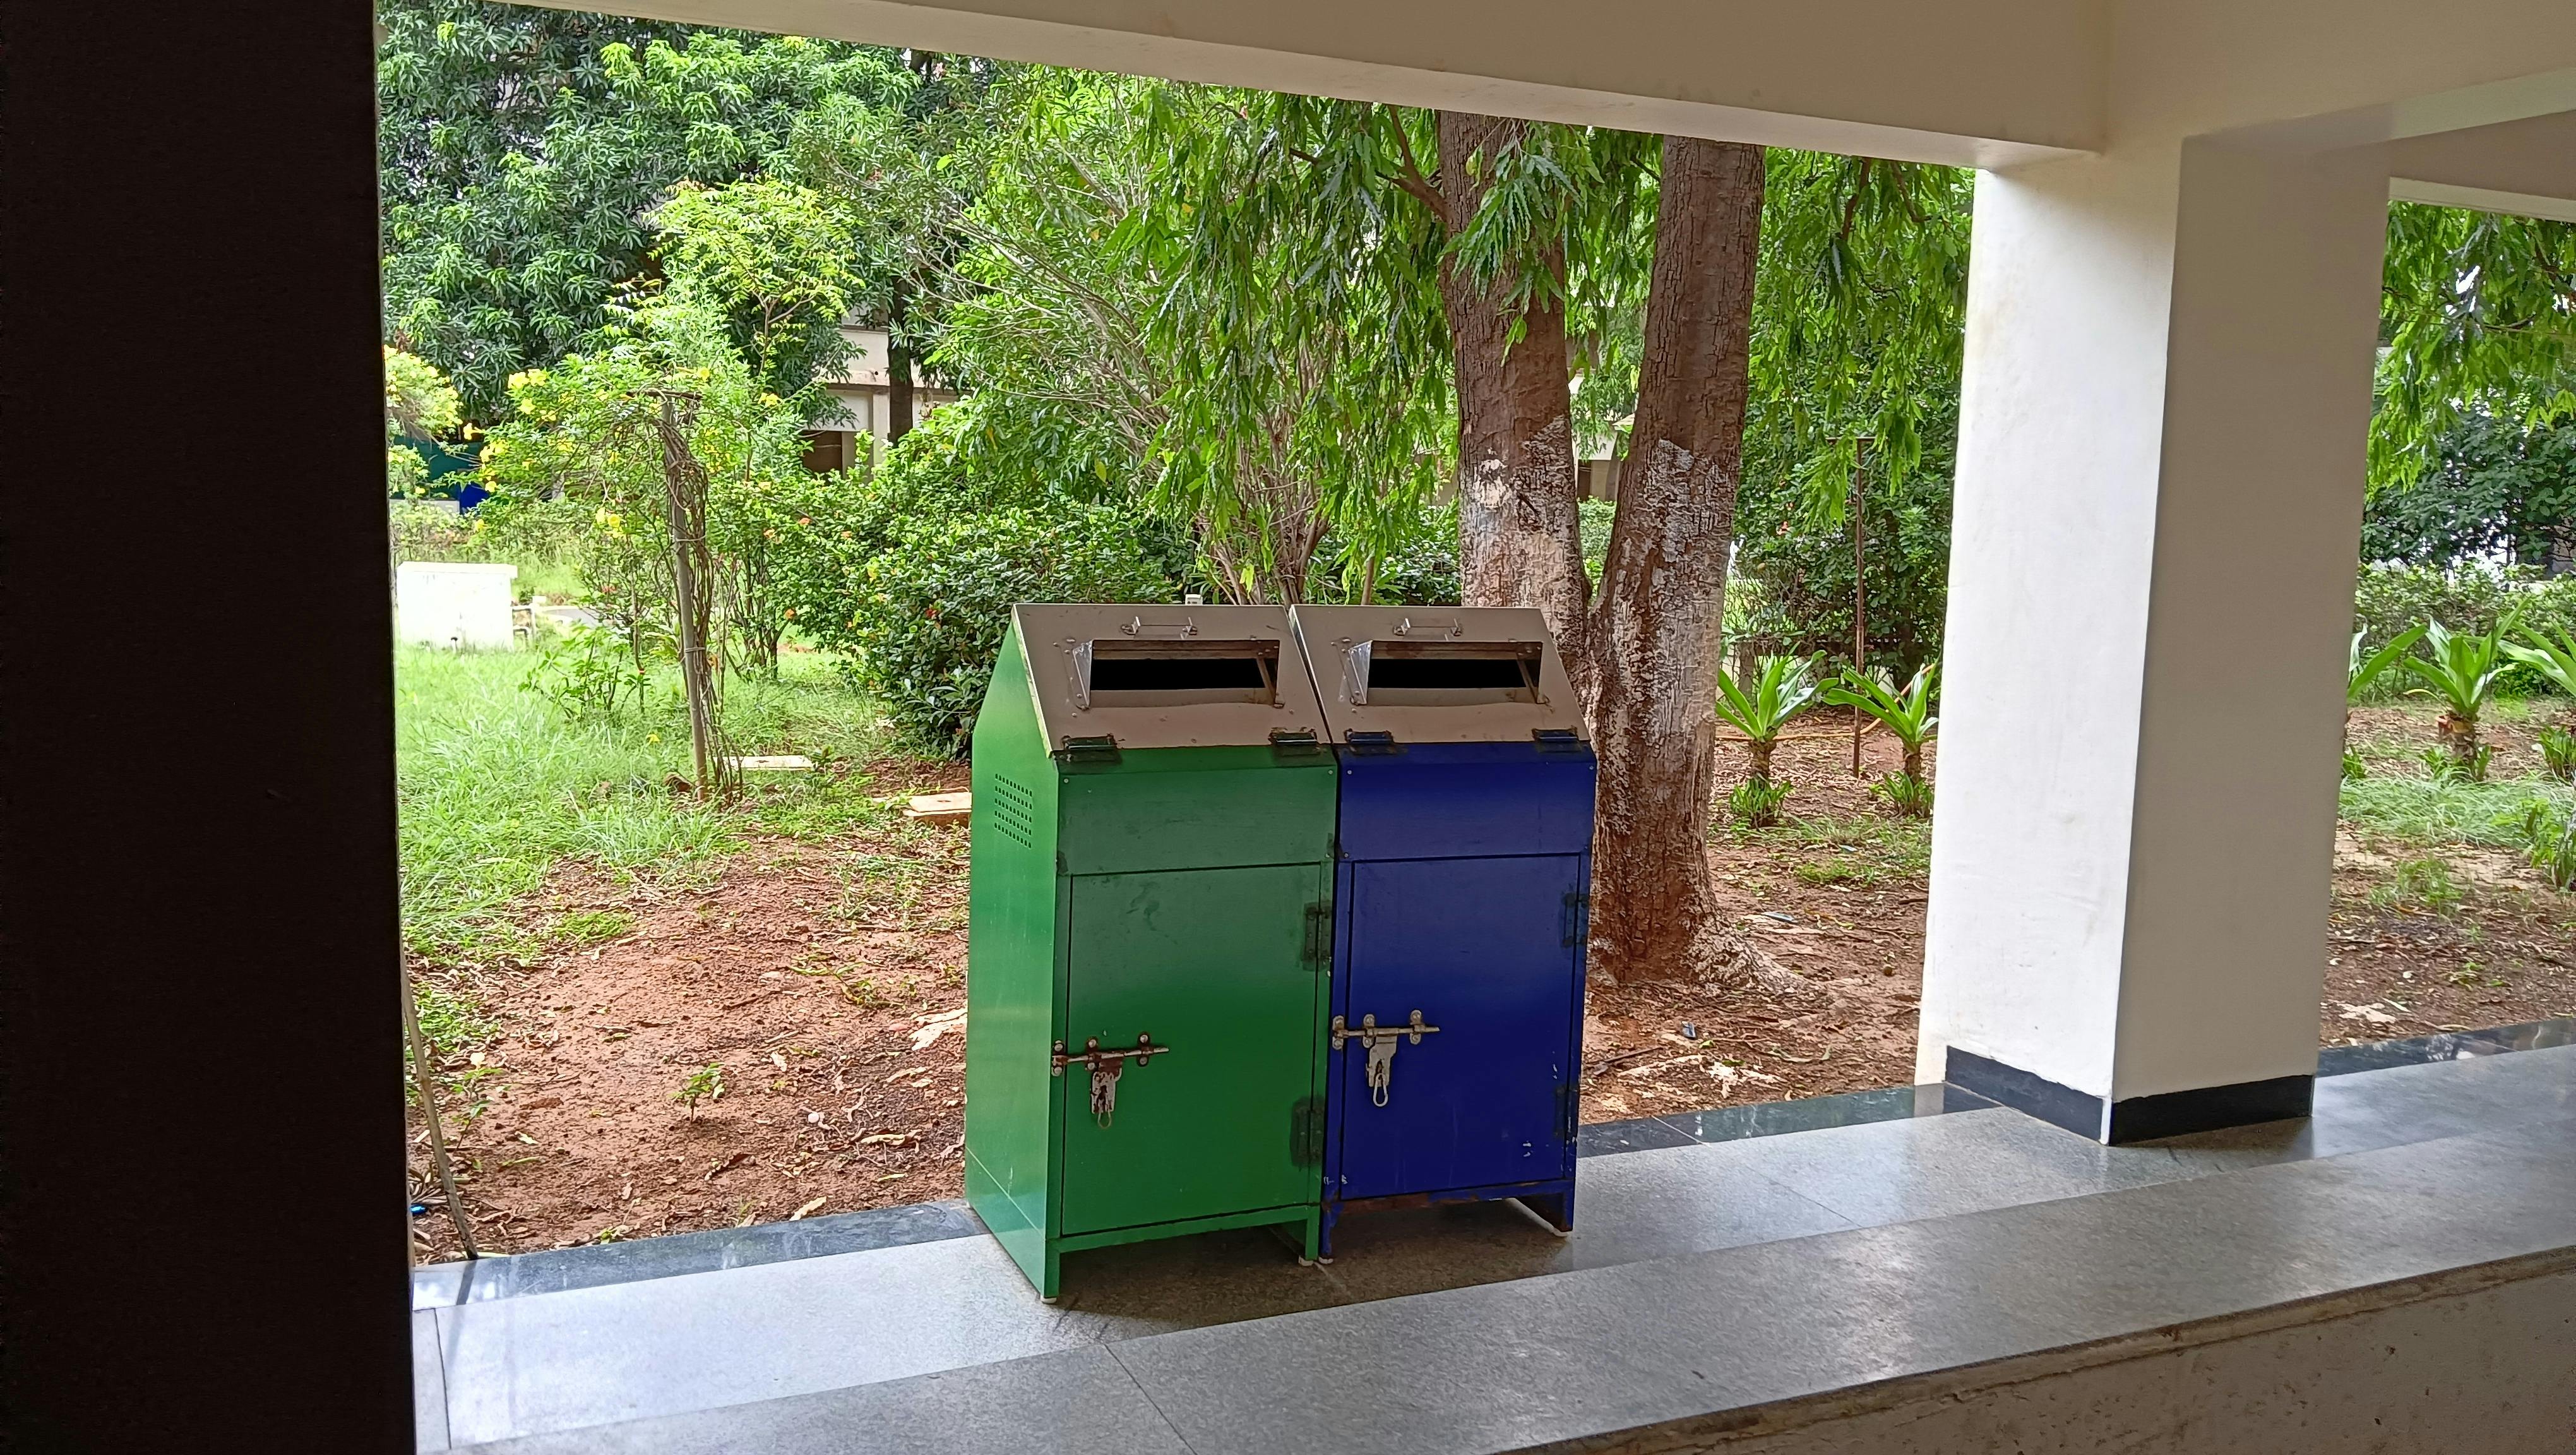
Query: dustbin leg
x,y
1556,1209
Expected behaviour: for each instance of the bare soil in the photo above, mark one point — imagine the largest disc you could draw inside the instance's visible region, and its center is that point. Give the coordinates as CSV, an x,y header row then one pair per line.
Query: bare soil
x,y
827,981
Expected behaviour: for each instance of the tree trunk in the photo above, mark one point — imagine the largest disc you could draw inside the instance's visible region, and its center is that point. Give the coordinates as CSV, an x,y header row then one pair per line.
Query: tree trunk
x,y
898,373
1658,627
1520,536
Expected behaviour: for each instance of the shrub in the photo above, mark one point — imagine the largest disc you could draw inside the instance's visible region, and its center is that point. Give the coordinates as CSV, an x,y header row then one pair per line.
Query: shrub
x,y
2558,750
2467,599
2549,842
1756,802
1908,794
2443,765
584,672
927,615
2425,882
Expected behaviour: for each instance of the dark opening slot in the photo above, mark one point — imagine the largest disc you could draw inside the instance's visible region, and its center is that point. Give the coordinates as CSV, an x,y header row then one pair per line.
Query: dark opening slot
x,y
1177,674
1449,674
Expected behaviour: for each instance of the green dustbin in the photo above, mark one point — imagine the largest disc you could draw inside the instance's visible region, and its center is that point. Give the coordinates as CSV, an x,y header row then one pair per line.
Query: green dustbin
x,y
1150,931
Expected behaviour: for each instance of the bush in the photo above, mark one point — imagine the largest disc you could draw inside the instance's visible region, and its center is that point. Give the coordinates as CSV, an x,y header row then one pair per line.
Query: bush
x,y
928,614
2467,598
2548,841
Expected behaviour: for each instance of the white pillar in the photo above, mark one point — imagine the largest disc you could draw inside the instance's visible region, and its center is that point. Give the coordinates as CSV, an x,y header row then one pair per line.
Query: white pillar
x,y
2158,512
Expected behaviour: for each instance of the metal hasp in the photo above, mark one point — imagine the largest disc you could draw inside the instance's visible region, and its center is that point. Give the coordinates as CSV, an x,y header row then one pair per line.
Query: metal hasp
x,y
1461,891
1148,922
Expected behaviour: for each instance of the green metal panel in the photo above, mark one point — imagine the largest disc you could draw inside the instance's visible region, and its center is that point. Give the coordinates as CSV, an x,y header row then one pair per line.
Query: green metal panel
x,y
1011,972
1218,964
1190,808
1177,892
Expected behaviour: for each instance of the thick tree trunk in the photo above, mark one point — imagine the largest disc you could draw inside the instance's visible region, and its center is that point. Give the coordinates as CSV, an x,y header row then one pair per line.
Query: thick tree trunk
x,y
898,375
1657,629
1520,539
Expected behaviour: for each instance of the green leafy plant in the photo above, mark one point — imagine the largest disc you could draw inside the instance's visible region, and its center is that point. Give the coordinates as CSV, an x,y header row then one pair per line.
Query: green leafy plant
x,y
2443,767
1909,795
2354,769
1755,802
2462,669
2558,752
2363,672
707,1084
1906,713
1785,687
585,673
2548,839
2425,883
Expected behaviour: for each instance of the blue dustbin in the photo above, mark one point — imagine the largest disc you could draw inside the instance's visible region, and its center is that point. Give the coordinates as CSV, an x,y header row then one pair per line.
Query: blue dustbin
x,y
1462,880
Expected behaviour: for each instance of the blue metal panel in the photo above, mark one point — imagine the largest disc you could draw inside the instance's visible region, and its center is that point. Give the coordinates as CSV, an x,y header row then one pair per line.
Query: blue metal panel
x,y
1489,950
1438,800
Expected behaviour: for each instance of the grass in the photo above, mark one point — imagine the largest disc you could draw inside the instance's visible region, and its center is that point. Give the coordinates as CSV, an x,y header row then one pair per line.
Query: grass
x,y
2423,811
496,788
1865,851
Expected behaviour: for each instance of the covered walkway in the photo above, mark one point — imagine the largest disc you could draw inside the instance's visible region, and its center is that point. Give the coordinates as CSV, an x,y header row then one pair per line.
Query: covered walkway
x,y
1843,1287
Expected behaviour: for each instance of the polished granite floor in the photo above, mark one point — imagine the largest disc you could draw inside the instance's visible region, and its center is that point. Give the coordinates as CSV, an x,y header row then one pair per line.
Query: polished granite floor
x,y
902,1315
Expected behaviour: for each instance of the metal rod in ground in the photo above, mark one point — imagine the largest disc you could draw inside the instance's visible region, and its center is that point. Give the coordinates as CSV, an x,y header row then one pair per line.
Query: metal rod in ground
x,y
1860,596
427,1081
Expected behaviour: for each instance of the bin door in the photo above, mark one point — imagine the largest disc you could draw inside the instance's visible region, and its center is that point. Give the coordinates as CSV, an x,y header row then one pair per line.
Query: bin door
x,y
1224,966
1483,948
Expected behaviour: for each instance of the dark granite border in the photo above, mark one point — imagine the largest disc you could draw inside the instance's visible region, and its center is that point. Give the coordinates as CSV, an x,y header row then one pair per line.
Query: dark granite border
x,y
2136,1118
557,1270
2055,1104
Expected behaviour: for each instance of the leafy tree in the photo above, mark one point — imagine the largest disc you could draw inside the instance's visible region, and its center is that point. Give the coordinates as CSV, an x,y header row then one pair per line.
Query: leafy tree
x,y
586,432
2477,316
419,404
778,258
509,235
2495,487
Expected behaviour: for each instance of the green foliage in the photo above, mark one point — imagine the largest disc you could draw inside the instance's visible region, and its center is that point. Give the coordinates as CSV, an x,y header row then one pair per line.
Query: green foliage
x,y
2472,596
2362,673
2434,812
523,153
584,673
585,432
2496,487
2558,751
1755,803
1785,688
420,405
2355,767
2418,884
2461,667
1906,714
2476,320
1910,795
2444,766
923,616
2548,841
777,258
2550,657
707,1083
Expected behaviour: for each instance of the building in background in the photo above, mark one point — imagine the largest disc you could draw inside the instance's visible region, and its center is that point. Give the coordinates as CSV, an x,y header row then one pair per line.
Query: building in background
x,y
864,392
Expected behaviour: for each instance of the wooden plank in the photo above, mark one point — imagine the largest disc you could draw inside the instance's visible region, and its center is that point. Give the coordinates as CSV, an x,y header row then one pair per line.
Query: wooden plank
x,y
954,807
779,763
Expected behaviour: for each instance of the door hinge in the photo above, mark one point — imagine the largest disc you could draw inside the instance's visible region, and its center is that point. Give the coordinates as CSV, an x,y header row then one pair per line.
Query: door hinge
x,y
1319,935
1102,749
1578,917
1558,740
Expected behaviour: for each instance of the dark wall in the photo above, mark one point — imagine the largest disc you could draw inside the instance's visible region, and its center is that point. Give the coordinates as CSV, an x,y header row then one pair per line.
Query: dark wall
x,y
200,1126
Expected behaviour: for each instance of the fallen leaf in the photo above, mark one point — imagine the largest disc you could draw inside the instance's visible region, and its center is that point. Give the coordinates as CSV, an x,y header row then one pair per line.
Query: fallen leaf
x,y
886,1139
2369,1015
814,1206
932,1027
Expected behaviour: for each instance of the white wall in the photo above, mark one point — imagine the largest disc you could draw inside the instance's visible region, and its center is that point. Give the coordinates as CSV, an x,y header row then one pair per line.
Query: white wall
x,y
2159,501
454,604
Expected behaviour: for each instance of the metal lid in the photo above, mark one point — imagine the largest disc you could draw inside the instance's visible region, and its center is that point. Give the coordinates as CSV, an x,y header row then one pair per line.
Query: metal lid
x,y
1155,675
1437,674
